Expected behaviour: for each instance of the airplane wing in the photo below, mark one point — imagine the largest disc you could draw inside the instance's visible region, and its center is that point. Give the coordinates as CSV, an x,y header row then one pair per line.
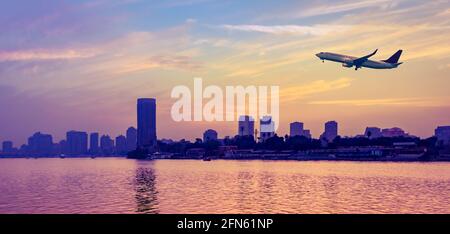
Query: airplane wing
x,y
359,61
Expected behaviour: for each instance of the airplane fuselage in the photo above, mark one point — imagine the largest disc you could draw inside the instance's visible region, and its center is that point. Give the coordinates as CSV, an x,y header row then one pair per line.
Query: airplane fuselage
x,y
347,61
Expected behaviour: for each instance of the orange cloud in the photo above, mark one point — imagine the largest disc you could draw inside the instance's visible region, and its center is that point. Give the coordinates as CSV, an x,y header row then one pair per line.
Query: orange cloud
x,y
420,102
319,86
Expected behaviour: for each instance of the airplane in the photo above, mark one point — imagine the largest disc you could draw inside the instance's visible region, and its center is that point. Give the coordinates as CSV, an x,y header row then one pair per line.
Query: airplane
x,y
350,61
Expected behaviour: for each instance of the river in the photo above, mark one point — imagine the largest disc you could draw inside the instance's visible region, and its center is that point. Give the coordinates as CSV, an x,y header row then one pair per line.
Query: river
x,y
117,185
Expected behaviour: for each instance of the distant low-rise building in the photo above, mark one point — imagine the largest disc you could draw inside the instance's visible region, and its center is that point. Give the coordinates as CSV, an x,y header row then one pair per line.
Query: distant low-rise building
x,y
307,133
210,135
393,132
373,132
295,129
442,134
7,147
196,152
167,141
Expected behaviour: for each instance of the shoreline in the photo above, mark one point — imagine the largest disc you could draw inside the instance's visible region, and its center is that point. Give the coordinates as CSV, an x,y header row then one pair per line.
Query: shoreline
x,y
447,159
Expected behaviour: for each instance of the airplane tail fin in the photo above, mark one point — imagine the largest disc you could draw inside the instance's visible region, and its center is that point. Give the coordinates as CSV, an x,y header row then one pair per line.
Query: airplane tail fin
x,y
395,57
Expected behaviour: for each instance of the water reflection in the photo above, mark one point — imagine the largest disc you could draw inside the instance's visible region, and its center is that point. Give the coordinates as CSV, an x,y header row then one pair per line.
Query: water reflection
x,y
146,193
112,185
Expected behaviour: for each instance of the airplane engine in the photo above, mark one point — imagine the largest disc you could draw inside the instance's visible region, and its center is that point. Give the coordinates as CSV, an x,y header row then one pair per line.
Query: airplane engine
x,y
347,65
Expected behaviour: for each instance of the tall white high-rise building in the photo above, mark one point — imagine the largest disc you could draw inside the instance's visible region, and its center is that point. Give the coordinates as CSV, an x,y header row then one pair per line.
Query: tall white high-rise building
x,y
266,128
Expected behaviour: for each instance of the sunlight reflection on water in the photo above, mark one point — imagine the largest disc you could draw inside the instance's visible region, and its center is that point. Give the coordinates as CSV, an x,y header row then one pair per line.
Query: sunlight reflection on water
x,y
115,185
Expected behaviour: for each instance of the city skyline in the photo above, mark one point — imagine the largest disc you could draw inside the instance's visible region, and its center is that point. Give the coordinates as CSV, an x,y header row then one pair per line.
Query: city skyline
x,y
81,65
145,136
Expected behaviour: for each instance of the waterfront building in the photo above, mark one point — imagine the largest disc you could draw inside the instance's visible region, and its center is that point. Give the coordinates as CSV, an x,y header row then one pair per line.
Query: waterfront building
x,y
331,131
246,126
77,142
131,138
93,143
167,141
296,129
121,145
373,132
106,145
40,144
442,134
146,120
7,147
209,135
63,147
393,132
307,133
266,128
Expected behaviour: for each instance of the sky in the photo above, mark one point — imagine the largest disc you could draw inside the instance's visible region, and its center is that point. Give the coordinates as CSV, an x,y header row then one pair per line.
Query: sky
x,y
81,65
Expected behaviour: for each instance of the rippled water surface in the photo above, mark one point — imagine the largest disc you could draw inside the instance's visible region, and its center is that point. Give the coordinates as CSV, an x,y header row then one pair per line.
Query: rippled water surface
x,y
115,185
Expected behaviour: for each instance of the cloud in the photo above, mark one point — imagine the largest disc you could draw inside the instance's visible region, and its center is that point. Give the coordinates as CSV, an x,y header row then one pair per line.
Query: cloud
x,y
319,86
314,30
160,61
183,3
109,3
44,54
420,102
331,8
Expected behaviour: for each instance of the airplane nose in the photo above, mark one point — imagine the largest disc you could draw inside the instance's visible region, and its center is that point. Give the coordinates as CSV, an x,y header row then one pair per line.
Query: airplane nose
x,y
318,55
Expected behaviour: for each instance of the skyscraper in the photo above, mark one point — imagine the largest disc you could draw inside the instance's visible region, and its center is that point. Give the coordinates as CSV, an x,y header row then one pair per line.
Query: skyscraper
x,y
246,126
296,129
106,145
93,143
131,138
146,121
40,144
77,143
331,131
121,145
